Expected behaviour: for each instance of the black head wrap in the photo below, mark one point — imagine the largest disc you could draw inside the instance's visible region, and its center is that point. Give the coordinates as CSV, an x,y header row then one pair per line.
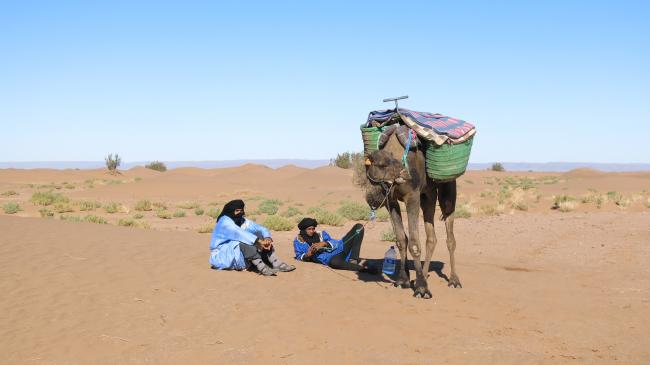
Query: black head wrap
x,y
229,211
303,225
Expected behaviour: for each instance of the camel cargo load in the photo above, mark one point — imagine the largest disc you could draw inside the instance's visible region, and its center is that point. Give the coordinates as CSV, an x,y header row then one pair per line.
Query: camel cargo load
x,y
447,142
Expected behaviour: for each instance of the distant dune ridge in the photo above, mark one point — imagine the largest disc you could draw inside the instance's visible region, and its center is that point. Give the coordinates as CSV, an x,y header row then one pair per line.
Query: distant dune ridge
x,y
276,163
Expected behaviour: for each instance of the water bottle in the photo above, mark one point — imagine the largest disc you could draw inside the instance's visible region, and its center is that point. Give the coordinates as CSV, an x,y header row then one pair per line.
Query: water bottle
x,y
390,261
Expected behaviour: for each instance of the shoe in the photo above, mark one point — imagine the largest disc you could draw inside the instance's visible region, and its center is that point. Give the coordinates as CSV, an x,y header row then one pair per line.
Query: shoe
x,y
267,271
284,267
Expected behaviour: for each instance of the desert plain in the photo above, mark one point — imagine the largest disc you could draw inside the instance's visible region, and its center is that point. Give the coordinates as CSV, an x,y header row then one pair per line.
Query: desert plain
x,y
98,268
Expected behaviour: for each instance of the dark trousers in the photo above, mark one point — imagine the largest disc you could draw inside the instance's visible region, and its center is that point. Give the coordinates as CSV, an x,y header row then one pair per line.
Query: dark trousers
x,y
251,252
352,246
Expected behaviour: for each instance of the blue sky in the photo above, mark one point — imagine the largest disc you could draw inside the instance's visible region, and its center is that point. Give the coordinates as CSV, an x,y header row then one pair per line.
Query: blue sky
x,y
542,81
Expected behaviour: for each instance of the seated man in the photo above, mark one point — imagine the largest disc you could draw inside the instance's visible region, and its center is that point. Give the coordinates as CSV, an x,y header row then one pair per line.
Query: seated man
x,y
237,243
310,245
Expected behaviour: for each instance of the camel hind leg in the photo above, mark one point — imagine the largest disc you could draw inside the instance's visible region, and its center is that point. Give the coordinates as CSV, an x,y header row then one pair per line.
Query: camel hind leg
x,y
447,201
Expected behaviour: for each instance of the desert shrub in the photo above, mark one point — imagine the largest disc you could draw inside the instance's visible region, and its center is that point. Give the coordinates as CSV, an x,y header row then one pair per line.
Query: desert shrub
x,y
187,205
566,206
46,213
159,205
346,160
647,203
164,214
9,193
95,219
213,212
559,199
70,218
157,166
388,235
113,162
206,228
520,205
462,211
138,216
618,199
143,205
112,207
112,182
199,211
383,215
126,222
328,218
137,179
277,223
48,198
487,194
290,212
179,214
492,209
354,211
86,205
63,208
11,208
144,225
269,206
68,186
497,166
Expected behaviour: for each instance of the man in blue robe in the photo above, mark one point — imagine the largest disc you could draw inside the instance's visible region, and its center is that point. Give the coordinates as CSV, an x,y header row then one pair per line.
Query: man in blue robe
x,y
237,243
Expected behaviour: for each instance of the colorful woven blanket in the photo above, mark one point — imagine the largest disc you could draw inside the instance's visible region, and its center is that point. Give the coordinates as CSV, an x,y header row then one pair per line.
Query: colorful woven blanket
x,y
433,127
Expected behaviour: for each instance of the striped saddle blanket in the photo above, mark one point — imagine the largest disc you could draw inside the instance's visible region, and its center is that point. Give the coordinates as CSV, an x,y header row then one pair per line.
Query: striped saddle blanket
x,y
437,128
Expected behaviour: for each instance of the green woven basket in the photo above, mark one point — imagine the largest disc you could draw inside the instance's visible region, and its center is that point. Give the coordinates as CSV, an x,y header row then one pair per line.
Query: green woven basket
x,y
448,161
370,139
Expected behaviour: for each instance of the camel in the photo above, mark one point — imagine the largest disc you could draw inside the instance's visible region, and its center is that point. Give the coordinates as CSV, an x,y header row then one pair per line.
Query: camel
x,y
412,186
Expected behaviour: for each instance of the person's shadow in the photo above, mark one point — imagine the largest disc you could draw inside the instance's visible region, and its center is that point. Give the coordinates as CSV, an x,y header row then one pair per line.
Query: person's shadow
x,y
435,266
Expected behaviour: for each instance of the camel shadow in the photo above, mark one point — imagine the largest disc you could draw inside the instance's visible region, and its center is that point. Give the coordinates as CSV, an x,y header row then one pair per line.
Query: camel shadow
x,y
435,266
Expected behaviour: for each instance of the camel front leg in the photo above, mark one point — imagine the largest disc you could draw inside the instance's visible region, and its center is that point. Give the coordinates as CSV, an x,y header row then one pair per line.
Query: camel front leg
x,y
451,245
402,242
428,209
413,212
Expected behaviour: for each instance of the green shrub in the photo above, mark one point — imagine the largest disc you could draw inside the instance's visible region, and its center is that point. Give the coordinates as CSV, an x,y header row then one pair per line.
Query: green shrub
x,y
9,193
46,213
346,160
213,212
68,186
290,212
86,205
95,219
354,211
159,205
497,166
48,198
179,214
383,215
269,206
164,214
112,207
138,216
63,208
559,199
277,223
328,218
188,205
113,162
126,222
70,218
388,235
491,209
618,199
11,208
157,166
143,205
462,211
199,211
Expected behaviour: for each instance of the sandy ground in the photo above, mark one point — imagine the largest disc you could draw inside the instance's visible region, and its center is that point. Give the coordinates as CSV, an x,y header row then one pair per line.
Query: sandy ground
x,y
539,286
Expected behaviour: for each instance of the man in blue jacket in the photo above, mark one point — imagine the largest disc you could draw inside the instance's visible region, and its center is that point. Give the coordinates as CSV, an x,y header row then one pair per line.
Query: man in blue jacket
x,y
237,243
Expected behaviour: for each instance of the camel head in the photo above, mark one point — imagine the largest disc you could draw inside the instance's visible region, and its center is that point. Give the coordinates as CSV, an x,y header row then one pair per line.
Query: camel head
x,y
382,166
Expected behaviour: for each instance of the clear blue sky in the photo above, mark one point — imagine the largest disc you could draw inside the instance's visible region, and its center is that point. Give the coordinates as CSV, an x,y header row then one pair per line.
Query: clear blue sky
x,y
185,80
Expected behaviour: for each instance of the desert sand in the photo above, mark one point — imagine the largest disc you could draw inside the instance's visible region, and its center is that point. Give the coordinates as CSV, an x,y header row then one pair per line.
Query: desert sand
x,y
569,285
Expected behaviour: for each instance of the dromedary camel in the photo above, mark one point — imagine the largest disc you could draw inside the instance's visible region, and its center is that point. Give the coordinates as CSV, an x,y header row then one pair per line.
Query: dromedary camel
x,y
417,191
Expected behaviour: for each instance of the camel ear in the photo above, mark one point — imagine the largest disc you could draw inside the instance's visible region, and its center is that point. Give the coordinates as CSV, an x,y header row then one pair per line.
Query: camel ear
x,y
368,162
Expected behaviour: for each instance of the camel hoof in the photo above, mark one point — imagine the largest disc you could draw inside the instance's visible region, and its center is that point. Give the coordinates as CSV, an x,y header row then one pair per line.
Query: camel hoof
x,y
454,282
422,293
404,284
